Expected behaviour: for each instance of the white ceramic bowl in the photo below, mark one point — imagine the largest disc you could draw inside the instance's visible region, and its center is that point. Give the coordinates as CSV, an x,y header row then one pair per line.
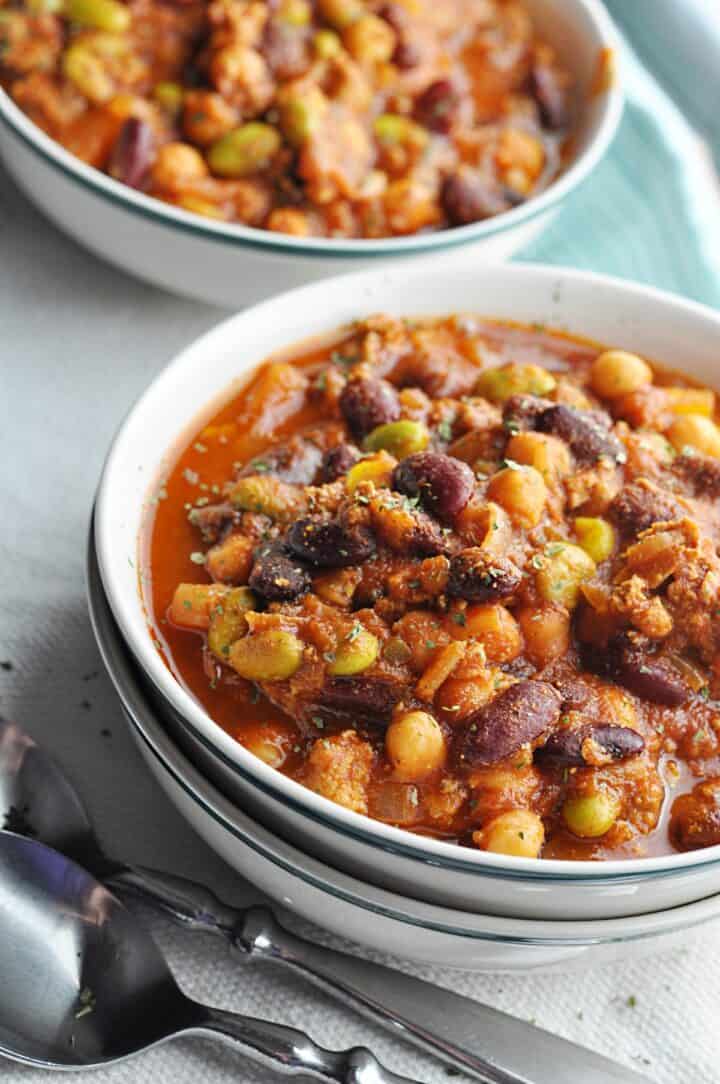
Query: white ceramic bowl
x,y
655,324
234,265
373,917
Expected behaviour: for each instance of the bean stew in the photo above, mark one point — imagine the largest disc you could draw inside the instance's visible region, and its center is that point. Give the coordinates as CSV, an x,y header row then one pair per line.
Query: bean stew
x,y
328,118
461,577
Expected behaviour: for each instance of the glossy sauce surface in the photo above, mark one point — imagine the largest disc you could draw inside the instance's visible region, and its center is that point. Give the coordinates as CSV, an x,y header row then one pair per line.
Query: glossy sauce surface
x,y
610,752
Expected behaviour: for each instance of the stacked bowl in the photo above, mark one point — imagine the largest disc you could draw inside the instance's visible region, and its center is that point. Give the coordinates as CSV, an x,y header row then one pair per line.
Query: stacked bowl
x,y
378,884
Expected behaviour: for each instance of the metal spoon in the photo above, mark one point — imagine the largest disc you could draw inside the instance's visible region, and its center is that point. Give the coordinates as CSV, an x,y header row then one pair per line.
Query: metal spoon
x,y
37,799
85,985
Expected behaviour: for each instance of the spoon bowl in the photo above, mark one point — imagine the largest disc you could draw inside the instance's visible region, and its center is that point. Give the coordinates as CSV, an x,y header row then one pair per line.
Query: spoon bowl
x,y
85,985
88,984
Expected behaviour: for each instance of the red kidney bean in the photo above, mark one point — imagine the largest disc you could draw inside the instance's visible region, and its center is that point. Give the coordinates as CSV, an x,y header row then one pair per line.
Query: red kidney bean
x,y
652,679
443,484
428,538
466,197
477,576
437,106
330,543
702,472
640,504
586,431
368,402
337,461
550,96
565,747
133,152
276,576
407,55
364,700
497,730
646,675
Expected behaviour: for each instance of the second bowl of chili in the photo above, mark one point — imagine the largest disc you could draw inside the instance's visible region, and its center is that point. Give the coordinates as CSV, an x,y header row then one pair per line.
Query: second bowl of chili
x,y
178,140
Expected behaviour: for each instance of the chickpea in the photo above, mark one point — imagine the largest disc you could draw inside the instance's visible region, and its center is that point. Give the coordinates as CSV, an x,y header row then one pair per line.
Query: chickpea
x,y
207,117
564,567
522,492
546,632
373,468
547,454
176,164
518,832
695,431
495,628
596,536
514,379
415,745
369,39
271,655
591,815
355,653
400,438
244,151
615,373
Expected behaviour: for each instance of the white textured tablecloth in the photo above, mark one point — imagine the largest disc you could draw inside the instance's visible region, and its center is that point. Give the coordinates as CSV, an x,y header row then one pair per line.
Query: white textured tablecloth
x,y
78,342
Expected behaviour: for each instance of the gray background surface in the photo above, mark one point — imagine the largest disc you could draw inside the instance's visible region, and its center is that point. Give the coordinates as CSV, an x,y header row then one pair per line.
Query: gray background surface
x,y
78,342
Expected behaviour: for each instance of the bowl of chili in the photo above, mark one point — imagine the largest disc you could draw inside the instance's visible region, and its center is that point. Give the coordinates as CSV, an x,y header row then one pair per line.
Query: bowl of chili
x,y
422,591
228,151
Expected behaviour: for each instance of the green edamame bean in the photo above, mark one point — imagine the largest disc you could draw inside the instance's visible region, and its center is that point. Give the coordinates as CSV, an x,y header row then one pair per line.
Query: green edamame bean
x,y
244,151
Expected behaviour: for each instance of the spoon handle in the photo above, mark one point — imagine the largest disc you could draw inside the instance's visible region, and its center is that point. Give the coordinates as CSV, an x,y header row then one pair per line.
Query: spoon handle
x,y
482,1042
292,1052
186,902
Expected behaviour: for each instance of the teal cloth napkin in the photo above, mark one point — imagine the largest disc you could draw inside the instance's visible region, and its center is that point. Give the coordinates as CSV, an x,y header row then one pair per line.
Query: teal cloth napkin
x,y
651,210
